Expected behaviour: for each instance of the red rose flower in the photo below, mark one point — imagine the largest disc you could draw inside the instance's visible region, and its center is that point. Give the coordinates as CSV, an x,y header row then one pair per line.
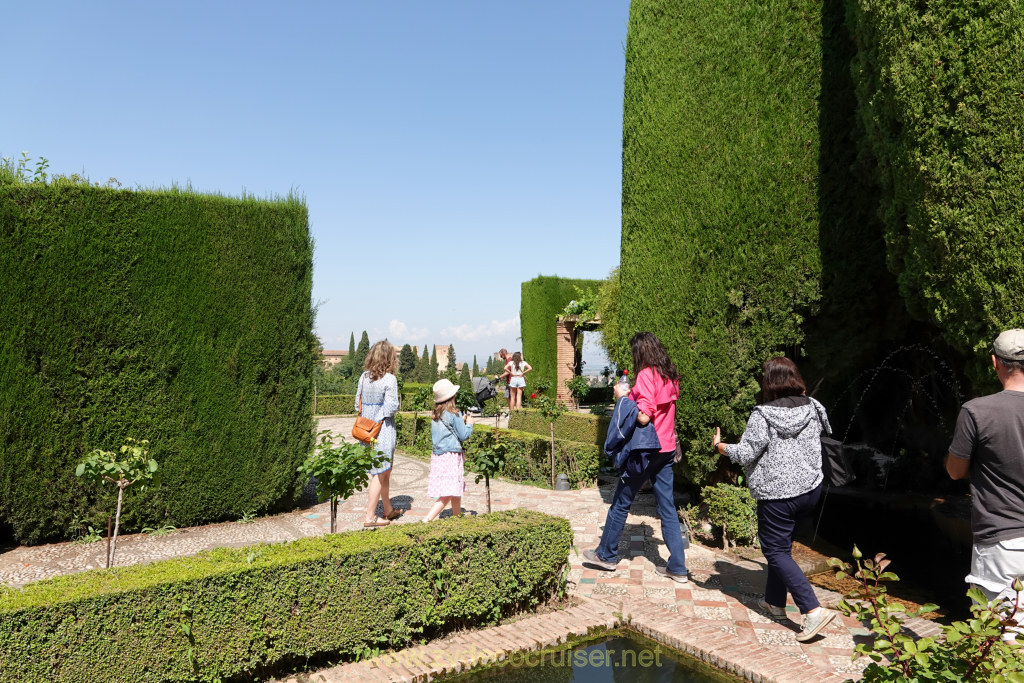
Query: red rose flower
x,y
533,395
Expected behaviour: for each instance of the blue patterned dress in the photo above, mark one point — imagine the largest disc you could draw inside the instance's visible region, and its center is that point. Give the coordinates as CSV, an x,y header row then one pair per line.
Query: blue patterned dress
x,y
380,403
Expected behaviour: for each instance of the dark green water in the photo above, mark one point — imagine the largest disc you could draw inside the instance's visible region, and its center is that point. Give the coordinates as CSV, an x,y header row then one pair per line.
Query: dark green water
x,y
615,659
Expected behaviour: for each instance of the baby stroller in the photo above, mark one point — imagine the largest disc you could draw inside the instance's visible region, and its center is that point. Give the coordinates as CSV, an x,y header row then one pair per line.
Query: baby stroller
x,y
483,390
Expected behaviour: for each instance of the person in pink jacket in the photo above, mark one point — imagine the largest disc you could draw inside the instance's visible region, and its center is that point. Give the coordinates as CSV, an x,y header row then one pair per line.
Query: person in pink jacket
x,y
655,392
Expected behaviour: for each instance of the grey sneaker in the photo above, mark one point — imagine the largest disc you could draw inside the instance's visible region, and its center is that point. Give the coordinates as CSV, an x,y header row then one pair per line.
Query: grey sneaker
x,y
591,557
814,623
678,578
771,611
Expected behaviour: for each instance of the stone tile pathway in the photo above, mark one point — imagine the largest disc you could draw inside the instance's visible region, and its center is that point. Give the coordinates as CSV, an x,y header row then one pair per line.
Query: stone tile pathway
x,y
712,616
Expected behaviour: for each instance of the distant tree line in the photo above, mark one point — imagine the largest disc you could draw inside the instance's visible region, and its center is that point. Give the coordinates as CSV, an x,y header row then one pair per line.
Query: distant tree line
x,y
343,377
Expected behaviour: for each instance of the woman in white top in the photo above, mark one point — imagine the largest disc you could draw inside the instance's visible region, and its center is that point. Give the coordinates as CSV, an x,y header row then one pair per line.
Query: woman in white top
x,y
516,370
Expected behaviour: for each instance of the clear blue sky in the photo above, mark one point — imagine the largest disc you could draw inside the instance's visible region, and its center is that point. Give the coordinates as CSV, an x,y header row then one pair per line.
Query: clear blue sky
x,y
447,151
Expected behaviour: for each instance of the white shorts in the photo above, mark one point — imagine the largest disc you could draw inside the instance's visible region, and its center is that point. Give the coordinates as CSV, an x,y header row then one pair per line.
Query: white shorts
x,y
517,382
994,566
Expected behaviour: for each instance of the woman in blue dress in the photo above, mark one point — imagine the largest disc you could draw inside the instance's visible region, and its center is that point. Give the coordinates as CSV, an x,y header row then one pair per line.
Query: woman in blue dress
x,y
379,390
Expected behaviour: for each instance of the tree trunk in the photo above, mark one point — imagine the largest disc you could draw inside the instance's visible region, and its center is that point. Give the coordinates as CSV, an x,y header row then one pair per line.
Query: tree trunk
x,y
552,454
117,523
487,483
334,514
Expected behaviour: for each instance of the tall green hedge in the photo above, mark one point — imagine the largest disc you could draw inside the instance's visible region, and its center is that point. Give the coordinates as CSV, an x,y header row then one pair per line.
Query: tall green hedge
x,y
246,612
720,194
542,300
939,90
162,315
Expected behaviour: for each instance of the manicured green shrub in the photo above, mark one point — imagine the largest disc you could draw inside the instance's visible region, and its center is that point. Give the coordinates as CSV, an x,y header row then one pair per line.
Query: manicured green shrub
x,y
336,404
527,455
542,300
939,91
167,315
733,510
720,196
344,404
251,610
589,429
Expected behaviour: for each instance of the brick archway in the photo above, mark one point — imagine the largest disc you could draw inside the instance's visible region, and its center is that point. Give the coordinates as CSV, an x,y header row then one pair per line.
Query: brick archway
x,y
568,355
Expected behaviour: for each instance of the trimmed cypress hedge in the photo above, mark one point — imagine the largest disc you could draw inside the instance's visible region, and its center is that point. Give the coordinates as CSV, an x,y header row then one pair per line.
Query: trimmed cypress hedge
x,y
528,459
542,300
939,90
589,429
251,610
163,315
720,196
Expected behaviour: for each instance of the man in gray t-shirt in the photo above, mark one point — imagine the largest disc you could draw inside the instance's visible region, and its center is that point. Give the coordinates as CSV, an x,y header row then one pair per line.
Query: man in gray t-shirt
x,y
988,447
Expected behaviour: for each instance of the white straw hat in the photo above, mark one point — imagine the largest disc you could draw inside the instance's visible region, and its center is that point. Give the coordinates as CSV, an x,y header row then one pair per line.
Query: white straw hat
x,y
444,390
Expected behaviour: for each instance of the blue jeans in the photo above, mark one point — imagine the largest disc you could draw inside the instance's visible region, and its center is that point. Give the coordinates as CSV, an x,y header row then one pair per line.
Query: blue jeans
x,y
776,521
659,471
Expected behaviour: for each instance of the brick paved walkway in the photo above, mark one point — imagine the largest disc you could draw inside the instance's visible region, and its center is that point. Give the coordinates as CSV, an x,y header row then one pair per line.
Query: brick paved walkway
x,y
712,616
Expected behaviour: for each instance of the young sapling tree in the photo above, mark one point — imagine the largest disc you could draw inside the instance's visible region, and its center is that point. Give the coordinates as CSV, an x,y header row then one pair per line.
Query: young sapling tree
x,y
123,468
551,409
340,470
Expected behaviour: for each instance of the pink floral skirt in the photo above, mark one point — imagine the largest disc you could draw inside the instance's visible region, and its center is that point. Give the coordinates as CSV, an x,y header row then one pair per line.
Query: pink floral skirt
x,y
447,475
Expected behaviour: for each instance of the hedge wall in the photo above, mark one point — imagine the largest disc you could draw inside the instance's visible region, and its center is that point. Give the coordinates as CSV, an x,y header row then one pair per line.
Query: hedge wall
x,y
939,90
720,195
251,610
336,404
529,453
542,300
344,404
161,315
589,429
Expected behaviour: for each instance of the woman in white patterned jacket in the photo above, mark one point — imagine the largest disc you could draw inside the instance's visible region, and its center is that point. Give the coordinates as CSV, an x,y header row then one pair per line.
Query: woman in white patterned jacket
x,y
780,451
378,389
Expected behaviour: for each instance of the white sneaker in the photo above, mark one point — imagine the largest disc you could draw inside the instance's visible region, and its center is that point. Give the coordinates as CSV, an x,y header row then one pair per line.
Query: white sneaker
x,y
771,611
814,622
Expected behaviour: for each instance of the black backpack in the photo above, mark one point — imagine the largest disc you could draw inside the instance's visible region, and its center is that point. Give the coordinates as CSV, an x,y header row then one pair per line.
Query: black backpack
x,y
835,465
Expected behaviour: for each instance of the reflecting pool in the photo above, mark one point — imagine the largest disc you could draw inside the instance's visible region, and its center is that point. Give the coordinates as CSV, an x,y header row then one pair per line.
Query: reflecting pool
x,y
616,658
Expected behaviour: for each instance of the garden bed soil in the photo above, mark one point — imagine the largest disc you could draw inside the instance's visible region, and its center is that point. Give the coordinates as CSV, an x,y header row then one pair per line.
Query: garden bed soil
x,y
814,562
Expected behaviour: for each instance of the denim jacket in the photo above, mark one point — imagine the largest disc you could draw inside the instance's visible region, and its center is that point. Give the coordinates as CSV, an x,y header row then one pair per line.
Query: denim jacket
x,y
627,443
448,433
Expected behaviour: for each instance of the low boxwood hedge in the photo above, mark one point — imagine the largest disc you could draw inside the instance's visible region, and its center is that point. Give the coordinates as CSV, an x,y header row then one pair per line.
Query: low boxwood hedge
x,y
344,404
528,453
243,612
580,427
335,404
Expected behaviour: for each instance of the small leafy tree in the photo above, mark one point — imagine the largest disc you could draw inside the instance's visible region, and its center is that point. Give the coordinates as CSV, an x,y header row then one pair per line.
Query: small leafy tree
x,y
970,650
340,470
123,468
578,387
490,460
551,410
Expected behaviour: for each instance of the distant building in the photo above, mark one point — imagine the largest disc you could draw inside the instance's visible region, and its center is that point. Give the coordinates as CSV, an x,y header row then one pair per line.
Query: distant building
x,y
442,356
332,358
